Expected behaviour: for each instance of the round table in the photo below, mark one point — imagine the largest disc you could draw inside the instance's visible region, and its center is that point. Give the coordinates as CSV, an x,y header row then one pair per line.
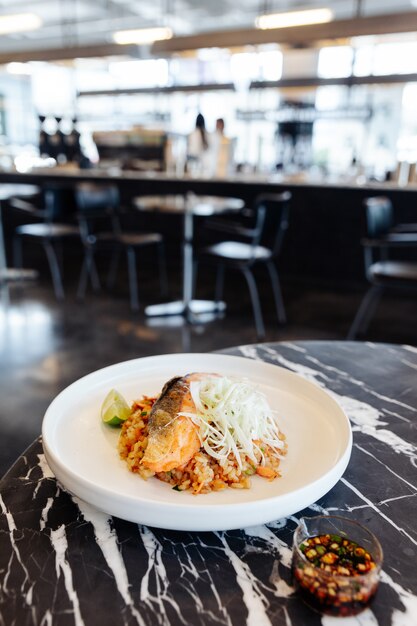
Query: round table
x,y
8,274
63,563
189,206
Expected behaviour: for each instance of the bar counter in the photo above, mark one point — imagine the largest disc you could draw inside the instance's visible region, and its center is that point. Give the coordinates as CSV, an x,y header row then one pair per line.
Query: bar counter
x,y
326,218
165,181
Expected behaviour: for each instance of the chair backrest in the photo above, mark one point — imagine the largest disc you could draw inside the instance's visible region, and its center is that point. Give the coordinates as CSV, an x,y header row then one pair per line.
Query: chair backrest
x,y
379,216
272,219
97,208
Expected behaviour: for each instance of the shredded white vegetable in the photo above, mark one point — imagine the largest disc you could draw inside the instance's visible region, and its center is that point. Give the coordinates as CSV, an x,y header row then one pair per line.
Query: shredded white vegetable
x,y
231,416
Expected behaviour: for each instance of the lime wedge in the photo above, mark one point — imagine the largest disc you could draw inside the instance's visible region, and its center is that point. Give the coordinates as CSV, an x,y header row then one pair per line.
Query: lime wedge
x,y
114,410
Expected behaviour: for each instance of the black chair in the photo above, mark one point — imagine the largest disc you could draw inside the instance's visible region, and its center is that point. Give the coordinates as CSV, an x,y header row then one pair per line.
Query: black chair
x,y
101,230
254,245
46,232
383,272
380,216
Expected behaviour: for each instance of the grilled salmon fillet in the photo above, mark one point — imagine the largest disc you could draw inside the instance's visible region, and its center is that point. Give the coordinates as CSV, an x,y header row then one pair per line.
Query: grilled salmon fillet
x,y
173,440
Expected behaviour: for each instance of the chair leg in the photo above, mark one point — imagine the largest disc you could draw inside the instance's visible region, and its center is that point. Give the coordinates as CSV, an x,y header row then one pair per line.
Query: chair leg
x,y
4,295
365,312
114,266
82,283
17,252
218,296
92,270
256,305
54,267
60,257
163,277
195,273
88,270
276,288
133,281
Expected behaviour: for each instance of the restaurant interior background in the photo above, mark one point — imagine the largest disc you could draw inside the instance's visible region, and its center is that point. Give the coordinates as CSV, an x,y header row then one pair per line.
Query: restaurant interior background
x,y
326,110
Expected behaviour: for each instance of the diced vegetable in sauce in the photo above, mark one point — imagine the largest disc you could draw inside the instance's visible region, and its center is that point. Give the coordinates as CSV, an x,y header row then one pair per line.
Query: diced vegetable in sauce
x,y
337,576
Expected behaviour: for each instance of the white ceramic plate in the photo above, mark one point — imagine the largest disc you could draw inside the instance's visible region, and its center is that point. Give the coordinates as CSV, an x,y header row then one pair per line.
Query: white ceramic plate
x,y
82,452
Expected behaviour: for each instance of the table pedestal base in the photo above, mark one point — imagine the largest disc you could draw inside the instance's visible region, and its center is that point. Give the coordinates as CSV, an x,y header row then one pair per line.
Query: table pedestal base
x,y
190,311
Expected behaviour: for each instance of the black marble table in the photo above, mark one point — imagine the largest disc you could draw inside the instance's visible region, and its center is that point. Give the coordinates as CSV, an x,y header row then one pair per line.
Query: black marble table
x,y
63,563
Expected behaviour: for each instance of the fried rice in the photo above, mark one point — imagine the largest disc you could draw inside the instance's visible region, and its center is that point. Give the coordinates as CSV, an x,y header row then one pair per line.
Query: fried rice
x,y
201,474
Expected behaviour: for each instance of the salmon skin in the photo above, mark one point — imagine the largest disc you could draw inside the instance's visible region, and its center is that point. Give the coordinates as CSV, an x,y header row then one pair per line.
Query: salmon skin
x,y
173,439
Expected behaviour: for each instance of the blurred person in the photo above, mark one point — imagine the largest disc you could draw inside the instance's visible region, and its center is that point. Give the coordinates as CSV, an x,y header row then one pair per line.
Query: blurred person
x,y
198,153
221,149
220,126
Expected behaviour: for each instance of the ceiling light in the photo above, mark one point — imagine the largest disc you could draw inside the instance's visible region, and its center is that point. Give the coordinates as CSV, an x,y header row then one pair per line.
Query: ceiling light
x,y
142,35
20,69
294,18
19,22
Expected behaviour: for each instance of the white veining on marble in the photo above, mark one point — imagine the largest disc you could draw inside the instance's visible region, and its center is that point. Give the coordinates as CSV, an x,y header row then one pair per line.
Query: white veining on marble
x,y
288,621
254,600
46,473
43,464
12,529
367,420
29,469
277,524
60,545
274,544
396,498
367,618
362,449
397,416
250,352
366,417
409,364
408,600
342,374
106,539
318,508
153,549
10,520
164,594
47,619
150,547
219,614
378,511
303,370
157,567
360,383
45,511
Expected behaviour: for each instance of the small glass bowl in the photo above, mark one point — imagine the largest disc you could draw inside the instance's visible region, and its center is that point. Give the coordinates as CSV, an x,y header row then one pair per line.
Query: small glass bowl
x,y
328,592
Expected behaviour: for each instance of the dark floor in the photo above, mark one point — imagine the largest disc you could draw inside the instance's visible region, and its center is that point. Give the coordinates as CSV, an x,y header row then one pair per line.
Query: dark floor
x,y
45,345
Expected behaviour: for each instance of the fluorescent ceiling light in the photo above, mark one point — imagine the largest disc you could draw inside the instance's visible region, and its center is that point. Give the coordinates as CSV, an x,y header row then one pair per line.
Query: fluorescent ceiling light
x,y
294,18
19,22
142,35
